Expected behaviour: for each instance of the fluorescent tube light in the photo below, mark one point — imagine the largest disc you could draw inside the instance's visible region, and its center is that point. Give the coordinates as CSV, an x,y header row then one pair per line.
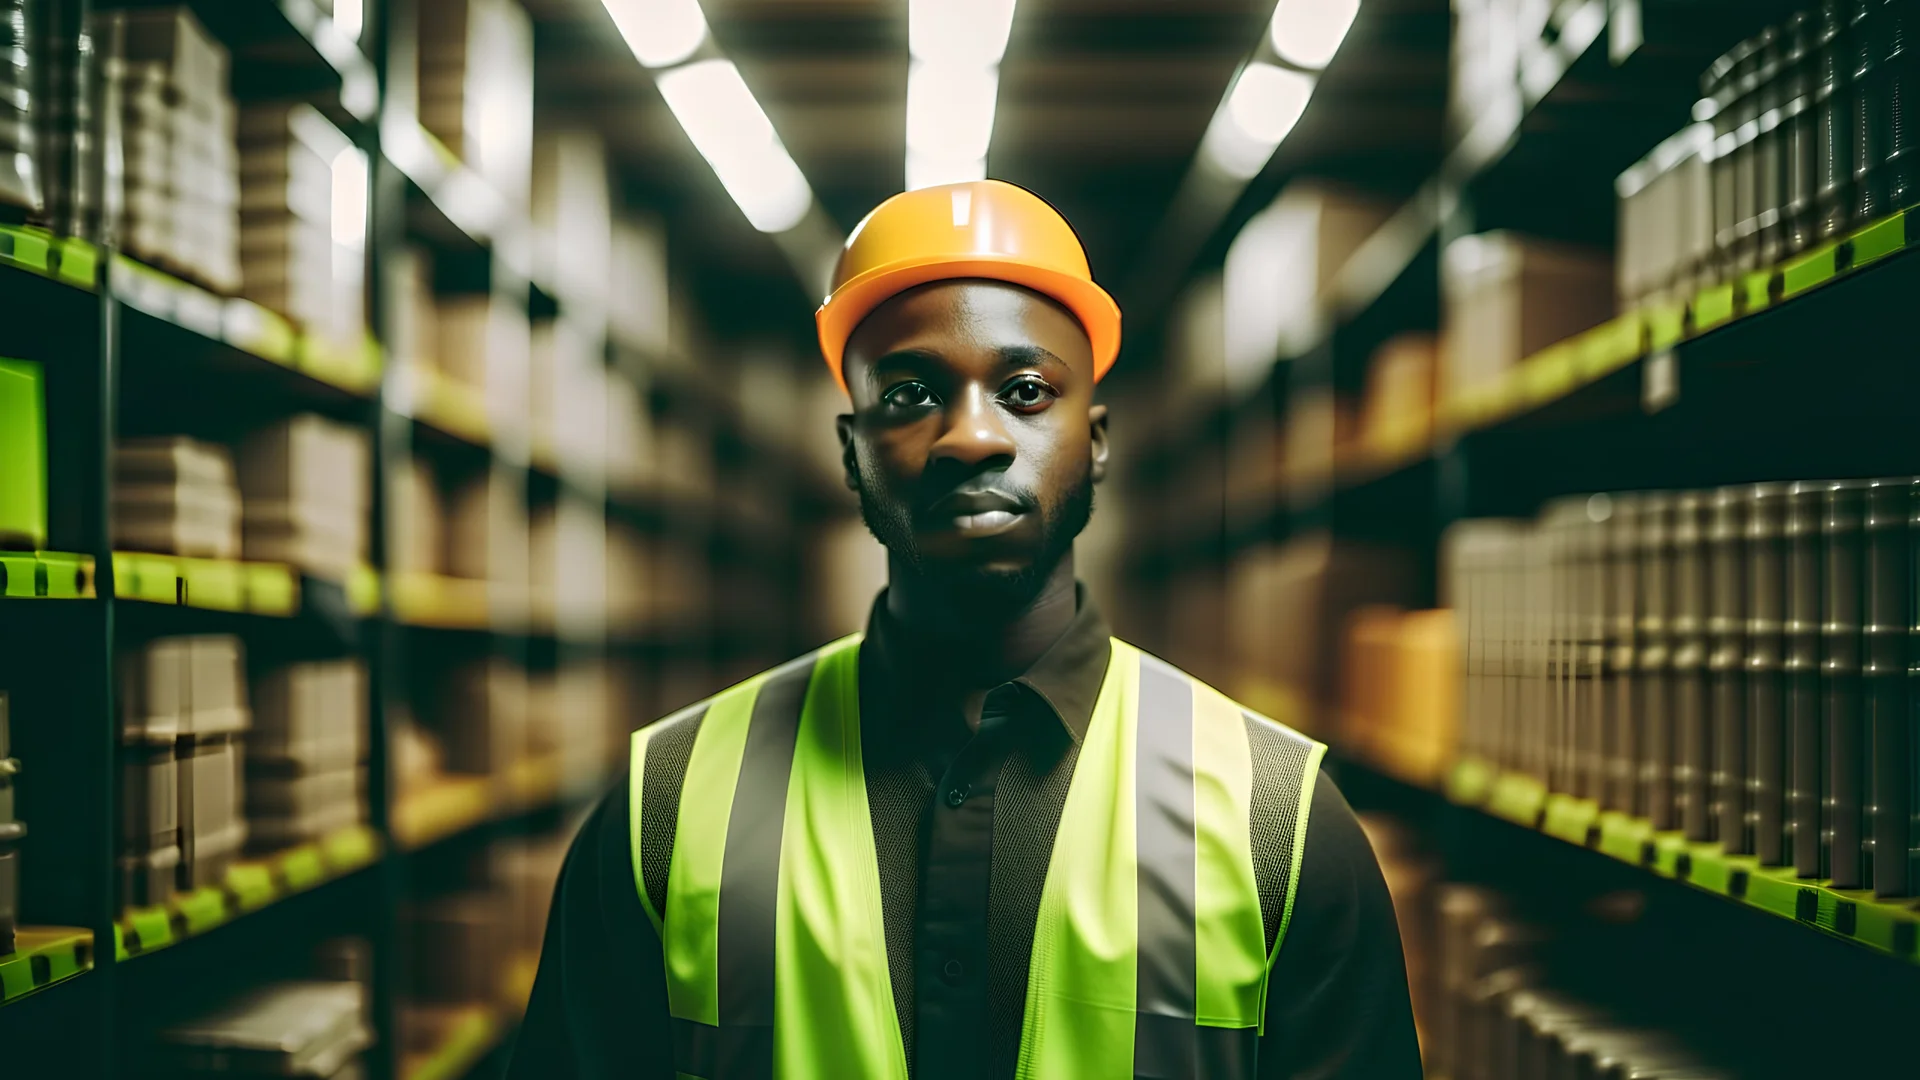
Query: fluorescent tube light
x,y
968,33
730,130
661,33
1309,32
1262,108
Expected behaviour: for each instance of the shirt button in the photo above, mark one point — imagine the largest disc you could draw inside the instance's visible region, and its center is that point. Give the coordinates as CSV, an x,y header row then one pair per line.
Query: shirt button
x,y
953,972
956,796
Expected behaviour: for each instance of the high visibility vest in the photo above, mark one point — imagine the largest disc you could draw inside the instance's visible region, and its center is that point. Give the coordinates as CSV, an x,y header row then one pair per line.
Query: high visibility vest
x,y
1149,953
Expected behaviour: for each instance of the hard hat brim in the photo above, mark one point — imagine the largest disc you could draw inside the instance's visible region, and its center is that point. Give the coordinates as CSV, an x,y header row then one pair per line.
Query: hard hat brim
x,y
854,300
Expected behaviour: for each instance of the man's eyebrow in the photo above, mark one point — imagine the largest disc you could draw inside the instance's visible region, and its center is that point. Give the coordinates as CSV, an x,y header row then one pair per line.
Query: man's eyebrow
x,y
1029,356
912,359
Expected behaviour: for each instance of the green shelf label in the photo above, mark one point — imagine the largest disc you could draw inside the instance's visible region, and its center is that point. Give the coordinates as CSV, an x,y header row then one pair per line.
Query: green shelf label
x,y
1754,287
302,867
1880,239
63,962
1668,847
271,589
1518,798
203,909
215,584
1666,325
16,976
1625,838
1809,270
79,263
1570,819
251,885
19,573
1468,781
1712,868
27,247
65,574
1775,890
152,928
1712,307
350,850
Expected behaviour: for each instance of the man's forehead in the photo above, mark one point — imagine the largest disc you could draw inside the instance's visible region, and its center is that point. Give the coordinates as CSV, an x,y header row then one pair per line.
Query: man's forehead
x,y
978,310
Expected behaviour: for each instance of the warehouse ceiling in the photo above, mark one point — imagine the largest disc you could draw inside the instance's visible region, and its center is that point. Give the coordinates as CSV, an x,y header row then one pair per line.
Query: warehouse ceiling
x,y
1102,106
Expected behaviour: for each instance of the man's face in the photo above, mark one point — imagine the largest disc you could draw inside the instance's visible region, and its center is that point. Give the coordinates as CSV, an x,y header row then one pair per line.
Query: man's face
x,y
974,441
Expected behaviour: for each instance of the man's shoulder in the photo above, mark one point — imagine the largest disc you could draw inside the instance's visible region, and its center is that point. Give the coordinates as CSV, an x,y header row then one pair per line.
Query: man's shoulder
x,y
684,722
1264,732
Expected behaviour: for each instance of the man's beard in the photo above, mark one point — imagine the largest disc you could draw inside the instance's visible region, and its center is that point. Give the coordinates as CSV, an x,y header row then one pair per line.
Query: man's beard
x,y
977,587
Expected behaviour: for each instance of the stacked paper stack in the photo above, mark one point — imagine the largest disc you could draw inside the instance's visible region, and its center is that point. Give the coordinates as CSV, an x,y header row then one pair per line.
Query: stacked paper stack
x,y
307,1029
306,483
176,203
183,712
11,832
176,496
476,87
305,763
296,256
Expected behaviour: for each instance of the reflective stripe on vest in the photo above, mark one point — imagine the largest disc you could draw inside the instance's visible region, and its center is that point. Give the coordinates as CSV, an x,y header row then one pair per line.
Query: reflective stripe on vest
x,y
1149,955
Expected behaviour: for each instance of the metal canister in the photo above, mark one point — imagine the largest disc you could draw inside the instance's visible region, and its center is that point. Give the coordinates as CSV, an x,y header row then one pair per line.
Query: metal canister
x,y
1898,80
1866,52
1768,158
1726,667
1590,645
1766,579
1800,672
1652,676
1833,122
1883,678
1843,559
1797,145
1619,722
11,833
1686,668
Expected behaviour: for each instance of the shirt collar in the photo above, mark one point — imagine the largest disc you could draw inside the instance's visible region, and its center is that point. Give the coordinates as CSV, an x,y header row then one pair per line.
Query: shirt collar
x,y
1066,679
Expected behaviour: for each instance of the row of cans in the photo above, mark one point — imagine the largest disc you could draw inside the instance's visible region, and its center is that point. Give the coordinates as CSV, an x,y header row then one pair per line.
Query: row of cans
x,y
1801,134
1738,664
1498,1016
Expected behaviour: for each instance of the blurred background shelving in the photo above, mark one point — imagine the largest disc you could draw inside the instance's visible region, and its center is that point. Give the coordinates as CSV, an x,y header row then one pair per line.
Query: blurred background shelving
x,y
402,400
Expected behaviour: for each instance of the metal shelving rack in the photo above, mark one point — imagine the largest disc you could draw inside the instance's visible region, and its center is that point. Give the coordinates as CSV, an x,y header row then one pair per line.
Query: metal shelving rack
x,y
123,348
1798,370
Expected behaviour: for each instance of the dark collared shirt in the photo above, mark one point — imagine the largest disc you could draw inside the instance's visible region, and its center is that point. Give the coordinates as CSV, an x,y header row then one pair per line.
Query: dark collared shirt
x,y
964,822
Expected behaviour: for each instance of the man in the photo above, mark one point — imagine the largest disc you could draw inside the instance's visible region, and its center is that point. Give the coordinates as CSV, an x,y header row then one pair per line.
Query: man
x,y
985,840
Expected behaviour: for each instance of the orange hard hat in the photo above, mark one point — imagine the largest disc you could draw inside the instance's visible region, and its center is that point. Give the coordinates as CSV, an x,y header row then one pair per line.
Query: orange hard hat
x,y
978,229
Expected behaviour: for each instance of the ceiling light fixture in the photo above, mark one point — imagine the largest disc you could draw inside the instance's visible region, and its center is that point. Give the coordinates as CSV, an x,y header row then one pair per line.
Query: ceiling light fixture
x,y
1260,111
1308,32
730,130
953,86
661,33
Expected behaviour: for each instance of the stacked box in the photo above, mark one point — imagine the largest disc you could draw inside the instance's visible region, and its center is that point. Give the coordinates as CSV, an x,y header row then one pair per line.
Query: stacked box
x,y
1400,707
1731,665
1507,296
165,99
416,541
183,714
176,496
295,257
488,535
456,946
19,57
485,343
476,87
306,484
306,773
572,218
309,1029
483,716
11,833
67,159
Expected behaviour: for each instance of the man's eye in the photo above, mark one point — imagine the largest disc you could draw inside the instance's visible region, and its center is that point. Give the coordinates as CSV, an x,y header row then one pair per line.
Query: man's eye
x,y
909,396
1027,394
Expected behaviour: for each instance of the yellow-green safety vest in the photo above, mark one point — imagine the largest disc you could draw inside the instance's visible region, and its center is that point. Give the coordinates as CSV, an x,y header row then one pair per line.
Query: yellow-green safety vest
x,y
1149,953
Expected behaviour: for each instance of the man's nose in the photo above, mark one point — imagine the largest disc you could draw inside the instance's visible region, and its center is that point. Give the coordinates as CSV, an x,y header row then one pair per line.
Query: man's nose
x,y
975,433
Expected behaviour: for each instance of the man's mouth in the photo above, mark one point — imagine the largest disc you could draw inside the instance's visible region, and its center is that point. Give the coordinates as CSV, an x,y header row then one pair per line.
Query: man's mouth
x,y
975,514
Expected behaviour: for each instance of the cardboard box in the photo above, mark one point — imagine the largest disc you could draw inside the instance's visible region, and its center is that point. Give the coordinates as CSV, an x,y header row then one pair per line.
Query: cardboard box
x,y
309,717
212,830
1507,296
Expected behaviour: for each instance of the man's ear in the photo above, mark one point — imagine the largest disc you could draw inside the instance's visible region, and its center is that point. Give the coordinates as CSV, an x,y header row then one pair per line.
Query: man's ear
x,y
1097,422
844,425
